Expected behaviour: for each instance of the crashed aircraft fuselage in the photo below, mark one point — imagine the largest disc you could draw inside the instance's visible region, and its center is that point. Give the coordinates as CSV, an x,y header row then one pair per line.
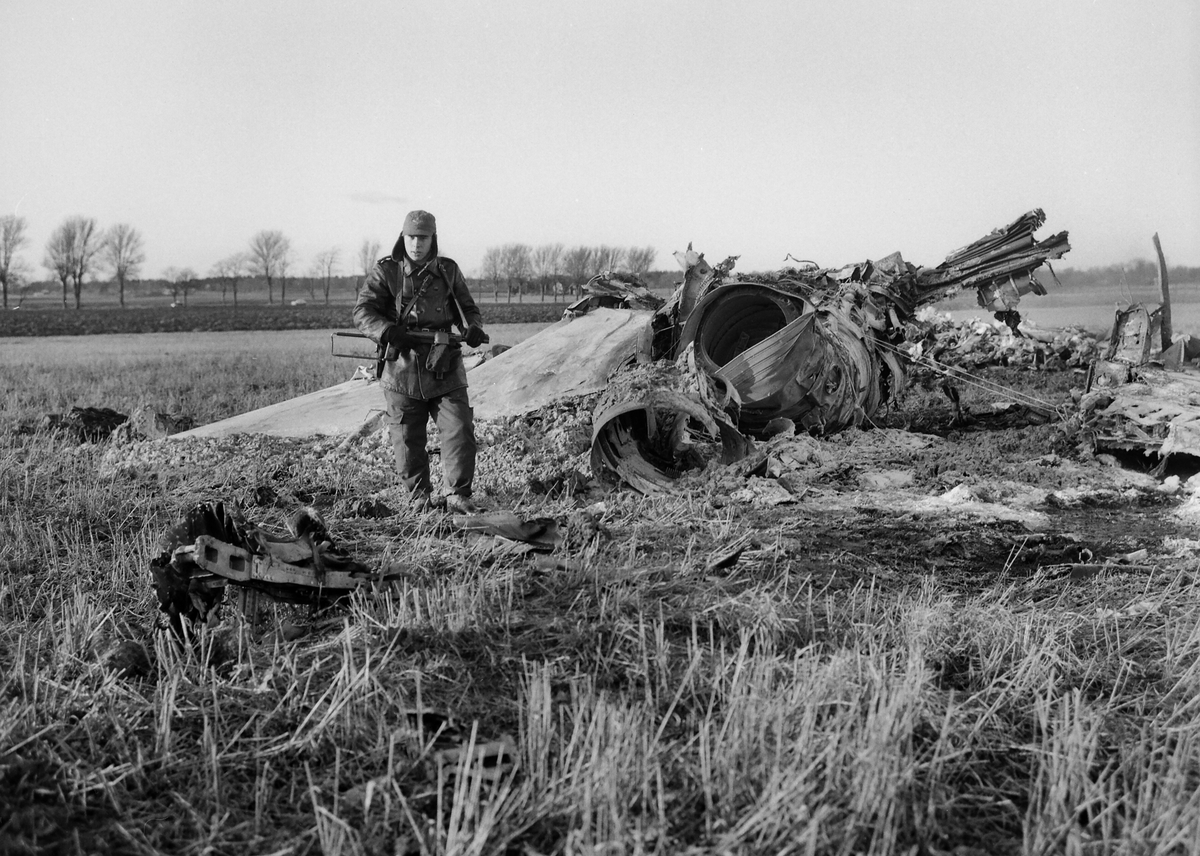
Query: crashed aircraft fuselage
x,y
807,348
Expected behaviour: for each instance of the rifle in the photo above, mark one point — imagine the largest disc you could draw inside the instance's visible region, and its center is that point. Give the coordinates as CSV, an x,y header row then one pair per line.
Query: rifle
x,y
338,343
354,345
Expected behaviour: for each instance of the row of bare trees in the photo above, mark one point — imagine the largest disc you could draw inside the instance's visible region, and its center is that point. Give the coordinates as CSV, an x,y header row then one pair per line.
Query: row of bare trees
x,y
78,249
75,250
270,257
516,265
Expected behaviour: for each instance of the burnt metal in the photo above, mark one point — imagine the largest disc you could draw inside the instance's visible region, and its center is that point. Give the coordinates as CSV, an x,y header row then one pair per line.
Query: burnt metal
x,y
818,348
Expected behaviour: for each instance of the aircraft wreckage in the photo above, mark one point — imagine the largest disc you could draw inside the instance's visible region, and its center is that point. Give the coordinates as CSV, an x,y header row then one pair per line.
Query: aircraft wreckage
x,y
697,378
726,359
729,358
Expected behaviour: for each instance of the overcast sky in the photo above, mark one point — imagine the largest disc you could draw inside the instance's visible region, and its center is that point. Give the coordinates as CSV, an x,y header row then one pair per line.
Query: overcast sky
x,y
833,131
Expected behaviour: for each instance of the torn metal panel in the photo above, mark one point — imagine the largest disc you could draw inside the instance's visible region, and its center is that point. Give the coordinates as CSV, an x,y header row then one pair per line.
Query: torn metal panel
x,y
795,352
656,422
540,533
1002,257
615,290
1108,374
1135,335
836,368
1130,404
763,369
1156,412
571,358
214,546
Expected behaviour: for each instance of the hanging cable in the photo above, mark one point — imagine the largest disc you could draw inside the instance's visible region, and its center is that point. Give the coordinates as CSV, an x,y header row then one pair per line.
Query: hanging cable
x,y
968,379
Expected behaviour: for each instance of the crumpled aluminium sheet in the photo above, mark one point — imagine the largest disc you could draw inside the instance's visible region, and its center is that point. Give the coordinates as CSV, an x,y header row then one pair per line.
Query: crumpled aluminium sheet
x,y
822,368
657,421
818,349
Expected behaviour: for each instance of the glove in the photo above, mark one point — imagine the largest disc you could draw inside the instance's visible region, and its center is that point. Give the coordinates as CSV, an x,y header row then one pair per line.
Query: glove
x,y
398,337
474,337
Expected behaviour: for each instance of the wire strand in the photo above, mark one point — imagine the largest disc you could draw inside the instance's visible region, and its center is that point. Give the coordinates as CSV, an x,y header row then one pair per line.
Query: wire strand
x,y
967,379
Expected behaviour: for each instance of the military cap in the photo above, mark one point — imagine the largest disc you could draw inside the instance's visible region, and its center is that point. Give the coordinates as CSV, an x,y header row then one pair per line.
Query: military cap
x,y
419,223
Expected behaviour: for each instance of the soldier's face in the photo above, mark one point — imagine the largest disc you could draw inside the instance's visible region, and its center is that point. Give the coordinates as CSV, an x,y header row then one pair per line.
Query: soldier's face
x,y
417,246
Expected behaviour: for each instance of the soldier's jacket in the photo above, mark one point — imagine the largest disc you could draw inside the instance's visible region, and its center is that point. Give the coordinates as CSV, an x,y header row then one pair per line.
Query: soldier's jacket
x,y
392,283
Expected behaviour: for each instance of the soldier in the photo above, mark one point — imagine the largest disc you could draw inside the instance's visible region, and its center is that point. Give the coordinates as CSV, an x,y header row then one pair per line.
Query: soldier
x,y
408,304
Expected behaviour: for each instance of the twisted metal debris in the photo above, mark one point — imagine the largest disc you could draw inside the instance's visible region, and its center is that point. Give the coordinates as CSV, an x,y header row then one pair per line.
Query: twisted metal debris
x,y
812,348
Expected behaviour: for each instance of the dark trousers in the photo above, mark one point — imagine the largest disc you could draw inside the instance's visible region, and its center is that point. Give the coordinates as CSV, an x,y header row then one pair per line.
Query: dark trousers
x,y
408,420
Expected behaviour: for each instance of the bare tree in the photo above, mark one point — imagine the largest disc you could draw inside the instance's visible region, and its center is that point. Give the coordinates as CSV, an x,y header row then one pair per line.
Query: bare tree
x,y
230,271
71,253
547,260
639,259
516,262
326,266
12,238
267,249
187,278
368,254
285,262
122,252
87,246
579,265
491,269
60,256
180,280
171,275
607,258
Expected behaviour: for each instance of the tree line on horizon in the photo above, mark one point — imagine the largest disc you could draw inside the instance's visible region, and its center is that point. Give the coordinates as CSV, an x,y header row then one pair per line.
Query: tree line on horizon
x,y
79,249
516,265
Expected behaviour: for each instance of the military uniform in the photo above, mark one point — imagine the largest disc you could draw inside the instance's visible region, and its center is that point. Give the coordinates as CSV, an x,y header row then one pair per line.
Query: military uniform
x,y
434,298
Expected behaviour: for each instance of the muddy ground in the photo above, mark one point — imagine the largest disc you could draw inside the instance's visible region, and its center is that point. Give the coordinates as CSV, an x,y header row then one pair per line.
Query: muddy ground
x,y
963,496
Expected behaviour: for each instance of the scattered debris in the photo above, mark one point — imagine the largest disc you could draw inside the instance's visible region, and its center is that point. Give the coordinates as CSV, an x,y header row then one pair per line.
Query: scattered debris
x,y
728,556
213,547
371,508
96,424
128,658
1143,394
1140,398
614,290
86,424
820,349
151,424
935,341
489,761
657,421
539,533
1142,408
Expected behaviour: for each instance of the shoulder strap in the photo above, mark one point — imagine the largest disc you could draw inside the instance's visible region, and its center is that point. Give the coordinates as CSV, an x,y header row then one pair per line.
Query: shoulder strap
x,y
425,280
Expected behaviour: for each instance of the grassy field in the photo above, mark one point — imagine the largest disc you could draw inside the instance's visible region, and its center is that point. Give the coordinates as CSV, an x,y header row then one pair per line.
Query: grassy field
x,y
228,372
215,318
998,657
